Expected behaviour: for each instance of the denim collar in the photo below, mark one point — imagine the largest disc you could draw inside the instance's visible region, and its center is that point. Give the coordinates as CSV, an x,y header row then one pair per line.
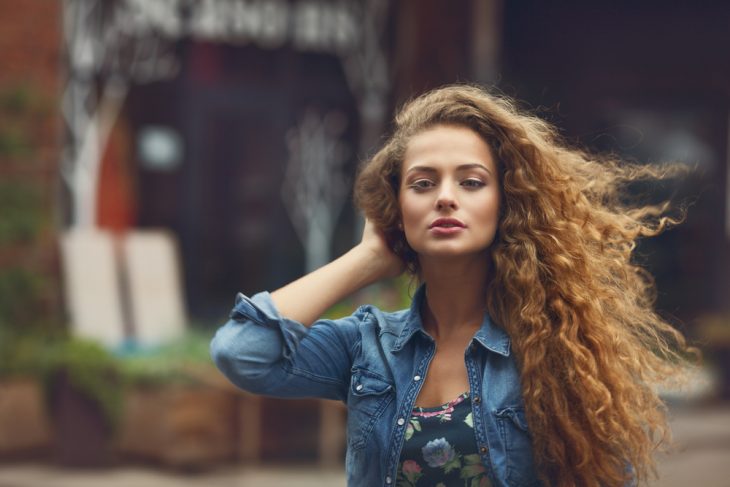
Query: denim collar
x,y
490,336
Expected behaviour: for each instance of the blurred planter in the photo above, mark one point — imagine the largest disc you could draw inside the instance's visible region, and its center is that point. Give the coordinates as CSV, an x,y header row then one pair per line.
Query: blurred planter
x,y
25,430
182,426
85,393
83,431
177,411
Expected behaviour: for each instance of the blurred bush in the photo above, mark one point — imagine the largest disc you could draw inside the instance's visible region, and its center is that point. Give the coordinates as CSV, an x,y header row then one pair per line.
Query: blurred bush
x,y
97,373
185,361
28,290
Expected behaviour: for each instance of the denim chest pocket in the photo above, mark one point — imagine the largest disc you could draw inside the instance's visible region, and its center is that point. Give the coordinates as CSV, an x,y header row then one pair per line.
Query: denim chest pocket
x,y
368,397
515,436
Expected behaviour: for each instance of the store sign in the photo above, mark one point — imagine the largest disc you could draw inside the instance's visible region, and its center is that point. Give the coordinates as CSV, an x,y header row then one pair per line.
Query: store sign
x,y
308,25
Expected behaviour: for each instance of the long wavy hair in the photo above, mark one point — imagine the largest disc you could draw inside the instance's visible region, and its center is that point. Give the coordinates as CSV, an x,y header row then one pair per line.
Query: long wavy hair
x,y
566,288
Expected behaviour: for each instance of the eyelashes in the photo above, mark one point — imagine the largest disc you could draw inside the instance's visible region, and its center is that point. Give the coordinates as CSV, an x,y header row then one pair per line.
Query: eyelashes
x,y
473,183
421,185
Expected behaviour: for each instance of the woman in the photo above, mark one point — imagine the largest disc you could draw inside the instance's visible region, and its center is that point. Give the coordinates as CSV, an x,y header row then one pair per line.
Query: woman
x,y
530,350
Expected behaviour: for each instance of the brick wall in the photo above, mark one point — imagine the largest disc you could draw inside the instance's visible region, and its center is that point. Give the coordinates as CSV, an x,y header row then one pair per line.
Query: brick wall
x,y
30,35
30,138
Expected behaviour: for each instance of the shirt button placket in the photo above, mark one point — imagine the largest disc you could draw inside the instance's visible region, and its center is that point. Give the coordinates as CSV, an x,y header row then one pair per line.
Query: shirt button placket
x,y
477,402
388,480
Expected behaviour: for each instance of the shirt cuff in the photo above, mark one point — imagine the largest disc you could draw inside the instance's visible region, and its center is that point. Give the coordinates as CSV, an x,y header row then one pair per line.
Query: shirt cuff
x,y
261,310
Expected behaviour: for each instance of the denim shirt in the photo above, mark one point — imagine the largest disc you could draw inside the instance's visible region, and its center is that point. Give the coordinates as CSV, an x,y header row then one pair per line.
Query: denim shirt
x,y
375,362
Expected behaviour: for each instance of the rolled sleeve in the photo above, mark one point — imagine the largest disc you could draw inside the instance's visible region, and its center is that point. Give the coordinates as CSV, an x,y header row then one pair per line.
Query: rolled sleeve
x,y
262,352
261,310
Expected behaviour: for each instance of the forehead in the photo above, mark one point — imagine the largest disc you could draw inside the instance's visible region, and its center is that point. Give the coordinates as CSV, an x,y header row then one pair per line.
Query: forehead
x,y
446,145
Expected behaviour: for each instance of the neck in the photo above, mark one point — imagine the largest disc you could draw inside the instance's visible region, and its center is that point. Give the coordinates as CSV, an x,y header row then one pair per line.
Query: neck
x,y
455,295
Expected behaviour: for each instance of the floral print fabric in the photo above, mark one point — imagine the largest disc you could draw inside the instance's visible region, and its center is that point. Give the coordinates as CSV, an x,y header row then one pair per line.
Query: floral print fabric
x,y
440,448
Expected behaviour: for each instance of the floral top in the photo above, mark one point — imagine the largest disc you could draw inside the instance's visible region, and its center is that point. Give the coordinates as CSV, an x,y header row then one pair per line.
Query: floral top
x,y
440,448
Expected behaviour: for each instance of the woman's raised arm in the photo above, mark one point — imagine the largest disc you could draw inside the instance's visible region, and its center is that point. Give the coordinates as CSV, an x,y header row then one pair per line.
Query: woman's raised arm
x,y
307,298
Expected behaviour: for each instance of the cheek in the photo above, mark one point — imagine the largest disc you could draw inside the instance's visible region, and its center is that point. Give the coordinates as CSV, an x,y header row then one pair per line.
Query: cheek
x,y
409,211
493,203
412,215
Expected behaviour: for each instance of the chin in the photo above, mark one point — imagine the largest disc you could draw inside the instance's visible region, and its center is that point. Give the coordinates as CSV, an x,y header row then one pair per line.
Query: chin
x,y
454,251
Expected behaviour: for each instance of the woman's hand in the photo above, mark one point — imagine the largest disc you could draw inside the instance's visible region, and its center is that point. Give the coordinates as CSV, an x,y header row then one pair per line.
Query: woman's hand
x,y
371,260
386,263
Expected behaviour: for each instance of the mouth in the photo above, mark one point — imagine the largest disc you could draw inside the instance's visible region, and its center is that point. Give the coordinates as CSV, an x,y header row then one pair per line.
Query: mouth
x,y
446,223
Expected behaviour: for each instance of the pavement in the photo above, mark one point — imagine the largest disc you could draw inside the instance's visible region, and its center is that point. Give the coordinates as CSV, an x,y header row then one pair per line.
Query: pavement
x,y
701,459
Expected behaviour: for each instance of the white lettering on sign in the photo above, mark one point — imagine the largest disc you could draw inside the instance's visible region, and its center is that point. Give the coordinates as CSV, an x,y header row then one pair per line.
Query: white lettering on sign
x,y
323,26
241,21
162,16
308,25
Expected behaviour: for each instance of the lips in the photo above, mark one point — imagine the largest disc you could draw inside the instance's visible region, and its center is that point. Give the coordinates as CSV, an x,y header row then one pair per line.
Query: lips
x,y
446,223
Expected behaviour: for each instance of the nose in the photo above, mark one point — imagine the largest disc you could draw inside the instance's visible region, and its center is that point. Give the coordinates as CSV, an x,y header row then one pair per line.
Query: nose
x,y
446,199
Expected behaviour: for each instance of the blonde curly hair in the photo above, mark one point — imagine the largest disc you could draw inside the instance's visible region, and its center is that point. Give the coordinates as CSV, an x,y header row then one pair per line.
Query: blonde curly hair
x,y
590,347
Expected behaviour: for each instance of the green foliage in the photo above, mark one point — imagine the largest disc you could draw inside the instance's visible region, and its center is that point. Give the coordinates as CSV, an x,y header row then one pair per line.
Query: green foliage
x,y
26,291
21,108
184,361
24,354
99,374
16,100
91,370
23,215
19,291
88,367
15,142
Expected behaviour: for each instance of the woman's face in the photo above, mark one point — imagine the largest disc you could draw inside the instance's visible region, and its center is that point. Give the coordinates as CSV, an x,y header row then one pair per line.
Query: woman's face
x,y
449,195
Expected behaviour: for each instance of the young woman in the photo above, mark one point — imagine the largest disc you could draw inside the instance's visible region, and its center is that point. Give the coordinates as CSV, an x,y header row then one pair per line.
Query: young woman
x,y
530,352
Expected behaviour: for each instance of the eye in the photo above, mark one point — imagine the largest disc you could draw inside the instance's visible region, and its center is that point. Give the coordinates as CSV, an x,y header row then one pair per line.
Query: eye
x,y
473,183
421,184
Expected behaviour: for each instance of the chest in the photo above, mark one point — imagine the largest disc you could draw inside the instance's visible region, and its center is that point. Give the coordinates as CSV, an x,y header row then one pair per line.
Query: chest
x,y
446,377
379,412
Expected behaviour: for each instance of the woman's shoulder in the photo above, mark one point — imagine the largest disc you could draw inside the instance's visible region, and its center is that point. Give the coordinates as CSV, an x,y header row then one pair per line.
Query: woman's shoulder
x,y
369,324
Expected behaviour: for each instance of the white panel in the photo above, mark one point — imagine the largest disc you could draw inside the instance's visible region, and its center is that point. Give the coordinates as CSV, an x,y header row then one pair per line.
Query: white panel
x,y
152,269
91,284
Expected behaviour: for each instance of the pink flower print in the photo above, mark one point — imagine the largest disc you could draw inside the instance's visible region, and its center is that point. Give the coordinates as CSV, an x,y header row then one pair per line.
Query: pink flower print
x,y
438,452
446,412
411,470
411,466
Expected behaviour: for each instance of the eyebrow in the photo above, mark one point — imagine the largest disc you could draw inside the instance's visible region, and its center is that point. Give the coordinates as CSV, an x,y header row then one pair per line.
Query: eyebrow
x,y
461,167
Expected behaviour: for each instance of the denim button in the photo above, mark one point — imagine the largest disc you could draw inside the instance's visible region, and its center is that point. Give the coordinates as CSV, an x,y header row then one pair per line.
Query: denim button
x,y
358,387
401,421
477,400
417,378
388,480
483,449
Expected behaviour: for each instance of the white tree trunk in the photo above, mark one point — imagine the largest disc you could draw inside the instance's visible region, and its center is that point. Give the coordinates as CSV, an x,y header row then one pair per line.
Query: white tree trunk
x,y
92,145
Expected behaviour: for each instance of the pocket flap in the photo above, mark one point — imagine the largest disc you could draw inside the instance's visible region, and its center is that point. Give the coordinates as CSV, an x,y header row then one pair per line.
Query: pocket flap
x,y
365,383
516,415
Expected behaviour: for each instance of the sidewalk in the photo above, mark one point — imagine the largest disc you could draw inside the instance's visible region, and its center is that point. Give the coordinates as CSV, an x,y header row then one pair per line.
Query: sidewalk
x,y
702,460
703,449
46,476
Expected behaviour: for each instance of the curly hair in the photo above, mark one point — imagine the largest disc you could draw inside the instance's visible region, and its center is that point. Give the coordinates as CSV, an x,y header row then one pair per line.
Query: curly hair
x,y
579,311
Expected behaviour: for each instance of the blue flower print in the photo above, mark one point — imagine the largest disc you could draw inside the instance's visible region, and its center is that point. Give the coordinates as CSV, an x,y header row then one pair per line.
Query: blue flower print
x,y
438,452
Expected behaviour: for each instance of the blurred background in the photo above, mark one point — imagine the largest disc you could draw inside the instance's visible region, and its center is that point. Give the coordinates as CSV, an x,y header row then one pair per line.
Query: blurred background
x,y
158,156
